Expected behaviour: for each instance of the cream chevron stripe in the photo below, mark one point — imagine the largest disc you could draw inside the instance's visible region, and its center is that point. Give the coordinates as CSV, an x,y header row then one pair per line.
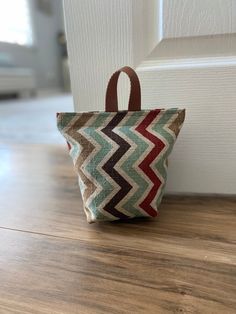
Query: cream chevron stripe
x,y
177,123
125,187
157,171
145,164
162,130
86,150
168,124
120,158
81,132
125,172
151,165
106,195
159,157
95,167
84,166
130,166
67,121
151,129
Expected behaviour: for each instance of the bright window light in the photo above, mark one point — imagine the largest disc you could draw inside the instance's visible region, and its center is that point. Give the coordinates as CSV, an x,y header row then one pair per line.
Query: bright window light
x,y
15,22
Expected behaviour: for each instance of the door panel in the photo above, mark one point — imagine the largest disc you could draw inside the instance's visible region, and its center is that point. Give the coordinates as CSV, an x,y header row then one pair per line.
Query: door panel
x,y
184,51
203,160
103,36
194,66
188,18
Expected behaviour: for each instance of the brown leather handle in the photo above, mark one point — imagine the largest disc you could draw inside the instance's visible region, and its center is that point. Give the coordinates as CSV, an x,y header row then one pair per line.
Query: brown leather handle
x,y
111,104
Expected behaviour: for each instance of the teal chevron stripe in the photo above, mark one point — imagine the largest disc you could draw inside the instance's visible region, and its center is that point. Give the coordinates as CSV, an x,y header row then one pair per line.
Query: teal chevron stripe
x,y
159,129
97,160
128,168
91,165
64,122
75,149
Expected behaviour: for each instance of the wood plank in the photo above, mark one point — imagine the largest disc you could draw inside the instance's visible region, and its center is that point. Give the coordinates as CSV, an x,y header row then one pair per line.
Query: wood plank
x,y
41,274
39,193
52,261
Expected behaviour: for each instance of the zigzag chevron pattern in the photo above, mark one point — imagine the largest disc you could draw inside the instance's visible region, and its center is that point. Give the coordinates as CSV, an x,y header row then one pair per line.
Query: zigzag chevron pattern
x,y
130,165
95,167
121,159
110,169
145,164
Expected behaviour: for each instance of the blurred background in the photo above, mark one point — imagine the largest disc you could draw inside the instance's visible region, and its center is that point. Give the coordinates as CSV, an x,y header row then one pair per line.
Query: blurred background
x,y
33,48
34,69
51,260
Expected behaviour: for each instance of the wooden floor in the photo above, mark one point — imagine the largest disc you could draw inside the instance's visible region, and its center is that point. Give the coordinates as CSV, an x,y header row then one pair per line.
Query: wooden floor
x,y
52,261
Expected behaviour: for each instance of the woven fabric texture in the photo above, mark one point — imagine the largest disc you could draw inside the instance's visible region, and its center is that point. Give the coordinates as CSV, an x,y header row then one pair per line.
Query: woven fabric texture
x,y
121,159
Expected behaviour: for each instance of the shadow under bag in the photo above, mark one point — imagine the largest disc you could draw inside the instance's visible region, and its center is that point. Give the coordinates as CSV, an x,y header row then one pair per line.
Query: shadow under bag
x,y
121,156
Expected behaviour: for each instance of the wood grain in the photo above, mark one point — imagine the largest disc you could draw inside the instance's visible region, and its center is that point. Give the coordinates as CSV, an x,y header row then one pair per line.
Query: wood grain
x,y
52,261
54,275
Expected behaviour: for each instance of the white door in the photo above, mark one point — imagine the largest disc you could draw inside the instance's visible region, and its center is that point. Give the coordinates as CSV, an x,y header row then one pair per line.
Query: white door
x,y
185,54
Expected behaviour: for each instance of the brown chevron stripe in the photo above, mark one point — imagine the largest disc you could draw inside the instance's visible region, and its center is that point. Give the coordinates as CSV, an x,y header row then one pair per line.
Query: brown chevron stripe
x,y
112,194
125,187
175,125
87,148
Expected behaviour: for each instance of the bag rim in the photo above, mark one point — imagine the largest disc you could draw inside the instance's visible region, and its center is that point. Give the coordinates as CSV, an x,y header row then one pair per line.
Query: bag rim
x,y
167,110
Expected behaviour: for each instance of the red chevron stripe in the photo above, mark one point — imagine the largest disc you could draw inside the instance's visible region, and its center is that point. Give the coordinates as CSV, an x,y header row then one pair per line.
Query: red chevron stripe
x,y
145,164
69,146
